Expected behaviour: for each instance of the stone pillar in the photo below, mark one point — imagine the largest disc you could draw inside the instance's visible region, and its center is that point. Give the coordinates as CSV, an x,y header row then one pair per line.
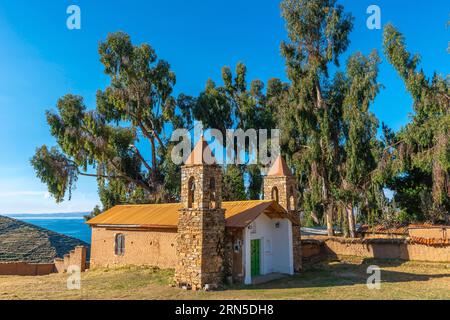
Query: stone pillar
x,y
59,265
201,227
79,257
297,247
200,247
66,261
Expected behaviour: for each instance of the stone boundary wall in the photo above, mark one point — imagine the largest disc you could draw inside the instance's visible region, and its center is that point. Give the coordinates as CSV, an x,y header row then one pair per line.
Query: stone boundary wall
x,y
442,233
76,257
312,249
26,269
374,248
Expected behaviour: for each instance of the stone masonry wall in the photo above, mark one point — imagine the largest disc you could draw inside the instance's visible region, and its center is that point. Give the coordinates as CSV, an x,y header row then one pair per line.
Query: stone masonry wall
x,y
283,184
200,247
233,262
201,229
202,176
297,248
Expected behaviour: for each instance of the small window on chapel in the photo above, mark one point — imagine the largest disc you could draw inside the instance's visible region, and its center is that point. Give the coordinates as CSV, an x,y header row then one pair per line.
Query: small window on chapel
x,y
275,194
119,247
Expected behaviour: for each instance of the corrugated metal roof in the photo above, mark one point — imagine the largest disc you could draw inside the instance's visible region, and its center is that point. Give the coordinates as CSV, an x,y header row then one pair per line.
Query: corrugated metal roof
x,y
148,214
237,214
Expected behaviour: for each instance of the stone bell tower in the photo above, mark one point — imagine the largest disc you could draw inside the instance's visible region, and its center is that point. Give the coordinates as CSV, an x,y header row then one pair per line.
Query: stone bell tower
x,y
281,186
201,223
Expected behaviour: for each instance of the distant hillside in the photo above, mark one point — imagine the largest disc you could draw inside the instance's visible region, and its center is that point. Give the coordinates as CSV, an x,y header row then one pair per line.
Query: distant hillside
x,y
21,241
46,215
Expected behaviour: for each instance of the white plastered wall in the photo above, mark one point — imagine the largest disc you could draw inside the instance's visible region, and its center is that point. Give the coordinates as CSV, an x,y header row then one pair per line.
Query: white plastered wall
x,y
276,252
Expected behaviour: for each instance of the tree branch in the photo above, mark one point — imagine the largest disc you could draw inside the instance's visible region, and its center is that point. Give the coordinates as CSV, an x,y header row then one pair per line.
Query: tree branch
x,y
136,150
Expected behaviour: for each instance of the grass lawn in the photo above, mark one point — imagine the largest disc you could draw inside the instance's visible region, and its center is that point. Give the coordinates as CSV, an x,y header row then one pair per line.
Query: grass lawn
x,y
343,279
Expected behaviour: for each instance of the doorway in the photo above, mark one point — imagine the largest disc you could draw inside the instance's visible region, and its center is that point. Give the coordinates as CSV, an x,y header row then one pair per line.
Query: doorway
x,y
255,257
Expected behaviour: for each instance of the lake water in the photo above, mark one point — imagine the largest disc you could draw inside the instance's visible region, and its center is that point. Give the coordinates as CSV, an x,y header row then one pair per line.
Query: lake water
x,y
70,224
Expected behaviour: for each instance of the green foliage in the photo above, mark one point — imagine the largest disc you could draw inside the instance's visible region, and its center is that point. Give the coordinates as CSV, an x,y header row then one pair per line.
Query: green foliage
x,y
233,187
95,212
423,144
54,169
236,105
171,175
359,126
318,30
412,193
328,132
137,104
255,182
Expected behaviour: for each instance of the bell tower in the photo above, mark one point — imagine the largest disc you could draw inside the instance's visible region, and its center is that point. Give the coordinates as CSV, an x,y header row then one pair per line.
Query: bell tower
x,y
201,223
281,186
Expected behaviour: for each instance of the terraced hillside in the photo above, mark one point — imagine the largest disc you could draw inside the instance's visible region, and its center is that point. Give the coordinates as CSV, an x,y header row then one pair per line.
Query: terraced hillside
x,y
21,241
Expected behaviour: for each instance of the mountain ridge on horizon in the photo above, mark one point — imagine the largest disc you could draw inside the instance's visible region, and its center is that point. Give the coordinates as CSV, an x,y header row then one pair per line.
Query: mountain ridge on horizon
x,y
77,213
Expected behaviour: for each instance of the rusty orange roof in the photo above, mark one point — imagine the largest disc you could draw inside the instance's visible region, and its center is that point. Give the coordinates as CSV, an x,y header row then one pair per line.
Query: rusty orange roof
x,y
238,214
163,215
279,168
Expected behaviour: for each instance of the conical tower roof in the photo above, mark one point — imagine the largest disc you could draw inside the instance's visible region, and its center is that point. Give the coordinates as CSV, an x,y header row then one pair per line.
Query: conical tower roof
x,y
279,168
200,151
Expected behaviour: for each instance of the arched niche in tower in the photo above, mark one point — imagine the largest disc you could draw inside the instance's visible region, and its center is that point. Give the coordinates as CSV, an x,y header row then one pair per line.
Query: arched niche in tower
x,y
191,193
212,193
274,194
291,200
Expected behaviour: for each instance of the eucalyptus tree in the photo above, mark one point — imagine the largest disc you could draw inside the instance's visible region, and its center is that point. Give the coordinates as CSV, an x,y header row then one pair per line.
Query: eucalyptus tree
x,y
318,32
131,115
361,150
423,145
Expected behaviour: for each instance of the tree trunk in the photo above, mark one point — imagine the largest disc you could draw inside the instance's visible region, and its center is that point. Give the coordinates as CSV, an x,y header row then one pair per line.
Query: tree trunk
x,y
314,217
343,221
438,182
153,173
329,217
440,187
351,221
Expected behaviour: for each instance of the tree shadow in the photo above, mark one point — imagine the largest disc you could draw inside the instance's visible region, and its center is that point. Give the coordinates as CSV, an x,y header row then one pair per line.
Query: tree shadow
x,y
334,273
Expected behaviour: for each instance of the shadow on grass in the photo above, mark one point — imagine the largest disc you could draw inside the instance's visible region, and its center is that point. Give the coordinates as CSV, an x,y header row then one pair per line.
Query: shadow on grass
x,y
335,273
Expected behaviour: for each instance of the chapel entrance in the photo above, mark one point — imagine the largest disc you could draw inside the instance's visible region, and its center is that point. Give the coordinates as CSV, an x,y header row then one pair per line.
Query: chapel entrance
x,y
255,257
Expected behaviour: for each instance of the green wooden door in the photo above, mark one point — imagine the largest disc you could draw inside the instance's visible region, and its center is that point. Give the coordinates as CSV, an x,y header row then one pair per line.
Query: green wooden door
x,y
255,249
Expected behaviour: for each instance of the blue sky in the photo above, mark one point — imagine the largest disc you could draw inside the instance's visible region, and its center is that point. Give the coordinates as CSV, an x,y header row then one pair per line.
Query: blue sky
x,y
41,60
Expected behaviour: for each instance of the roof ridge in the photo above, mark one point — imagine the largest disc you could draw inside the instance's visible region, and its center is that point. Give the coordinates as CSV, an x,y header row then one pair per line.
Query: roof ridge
x,y
145,204
179,203
167,214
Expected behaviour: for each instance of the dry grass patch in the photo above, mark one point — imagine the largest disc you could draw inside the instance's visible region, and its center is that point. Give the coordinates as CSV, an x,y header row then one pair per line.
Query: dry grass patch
x,y
340,279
